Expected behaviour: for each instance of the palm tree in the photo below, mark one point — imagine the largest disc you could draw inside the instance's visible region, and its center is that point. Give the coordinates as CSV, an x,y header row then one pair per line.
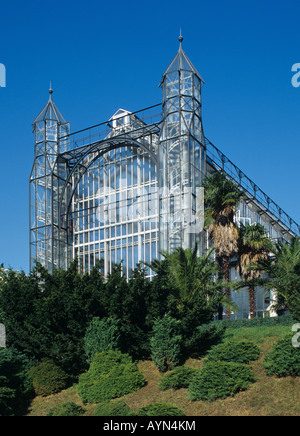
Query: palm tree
x,y
221,197
283,269
254,247
190,274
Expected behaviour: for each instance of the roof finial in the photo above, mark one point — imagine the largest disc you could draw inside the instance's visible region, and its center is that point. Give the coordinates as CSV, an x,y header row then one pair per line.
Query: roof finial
x,y
50,90
180,39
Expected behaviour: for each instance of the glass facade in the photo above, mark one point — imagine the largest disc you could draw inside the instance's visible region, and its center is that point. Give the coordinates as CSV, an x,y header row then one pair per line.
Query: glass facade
x,y
115,211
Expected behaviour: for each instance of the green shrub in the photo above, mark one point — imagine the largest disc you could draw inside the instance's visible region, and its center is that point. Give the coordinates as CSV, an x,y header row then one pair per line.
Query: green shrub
x,y
8,398
160,409
111,375
68,408
101,335
116,408
15,382
238,352
201,339
166,343
48,378
179,378
220,380
284,359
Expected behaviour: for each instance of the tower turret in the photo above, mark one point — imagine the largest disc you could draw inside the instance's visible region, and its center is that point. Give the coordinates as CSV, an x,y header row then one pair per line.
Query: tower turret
x,y
48,127
181,153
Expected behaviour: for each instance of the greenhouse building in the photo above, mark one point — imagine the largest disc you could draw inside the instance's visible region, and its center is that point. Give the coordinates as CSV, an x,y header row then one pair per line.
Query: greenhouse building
x,y
127,188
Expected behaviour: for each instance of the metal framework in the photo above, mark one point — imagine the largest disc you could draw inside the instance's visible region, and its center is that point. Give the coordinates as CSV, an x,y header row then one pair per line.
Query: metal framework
x,y
181,153
125,189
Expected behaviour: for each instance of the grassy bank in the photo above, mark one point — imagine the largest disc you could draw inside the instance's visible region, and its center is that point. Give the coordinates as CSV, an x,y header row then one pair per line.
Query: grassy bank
x,y
268,396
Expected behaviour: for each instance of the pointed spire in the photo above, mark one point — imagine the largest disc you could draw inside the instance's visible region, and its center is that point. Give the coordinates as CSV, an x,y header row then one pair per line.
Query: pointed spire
x,y
181,62
50,111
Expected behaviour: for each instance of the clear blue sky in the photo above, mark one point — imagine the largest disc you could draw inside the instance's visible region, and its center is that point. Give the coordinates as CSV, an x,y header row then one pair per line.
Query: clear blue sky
x,y
104,55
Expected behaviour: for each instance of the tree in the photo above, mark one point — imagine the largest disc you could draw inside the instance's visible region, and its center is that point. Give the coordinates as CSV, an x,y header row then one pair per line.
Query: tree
x,y
125,300
283,268
101,335
221,197
190,274
166,343
46,314
254,246
193,291
16,388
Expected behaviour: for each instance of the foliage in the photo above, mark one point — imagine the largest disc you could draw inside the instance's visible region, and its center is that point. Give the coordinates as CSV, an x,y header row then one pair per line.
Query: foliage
x,y
135,306
179,378
48,378
166,343
192,275
112,374
7,398
230,351
220,380
268,397
221,198
115,408
285,320
160,409
46,314
68,408
203,337
192,293
283,269
101,335
15,383
284,359
254,246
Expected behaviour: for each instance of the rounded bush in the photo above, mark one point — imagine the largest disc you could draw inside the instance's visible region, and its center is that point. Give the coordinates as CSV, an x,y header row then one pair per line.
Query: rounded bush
x,y
160,409
220,380
284,359
48,378
111,375
68,408
116,408
238,352
179,378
